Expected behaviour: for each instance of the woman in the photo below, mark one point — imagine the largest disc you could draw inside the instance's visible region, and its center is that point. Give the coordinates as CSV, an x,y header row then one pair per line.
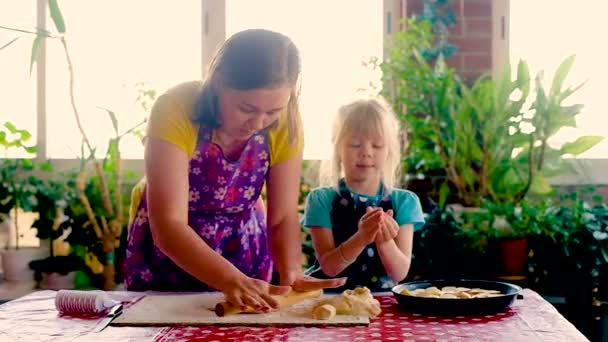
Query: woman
x,y
198,220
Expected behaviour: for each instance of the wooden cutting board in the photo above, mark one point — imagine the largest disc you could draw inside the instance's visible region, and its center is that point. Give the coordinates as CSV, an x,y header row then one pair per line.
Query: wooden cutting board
x,y
193,309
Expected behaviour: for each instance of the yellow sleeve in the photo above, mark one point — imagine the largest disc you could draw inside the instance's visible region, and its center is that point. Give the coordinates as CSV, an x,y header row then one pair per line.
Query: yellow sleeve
x,y
171,118
281,147
136,195
171,121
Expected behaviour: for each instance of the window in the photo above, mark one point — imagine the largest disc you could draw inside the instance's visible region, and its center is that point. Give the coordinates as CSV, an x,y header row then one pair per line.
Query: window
x,y
116,45
17,86
334,37
544,32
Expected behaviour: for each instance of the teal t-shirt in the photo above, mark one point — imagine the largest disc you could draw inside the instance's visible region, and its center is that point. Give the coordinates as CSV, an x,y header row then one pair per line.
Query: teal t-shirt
x,y
406,207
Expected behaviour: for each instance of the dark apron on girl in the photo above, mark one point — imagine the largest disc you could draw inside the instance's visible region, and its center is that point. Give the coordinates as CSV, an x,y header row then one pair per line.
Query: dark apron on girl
x,y
346,211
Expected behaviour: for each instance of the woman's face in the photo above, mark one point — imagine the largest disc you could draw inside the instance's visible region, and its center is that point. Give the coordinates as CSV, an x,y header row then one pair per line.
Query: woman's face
x,y
244,112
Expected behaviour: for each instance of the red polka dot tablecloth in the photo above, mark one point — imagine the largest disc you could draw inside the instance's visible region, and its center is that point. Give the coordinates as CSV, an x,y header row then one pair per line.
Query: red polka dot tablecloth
x,y
34,318
530,319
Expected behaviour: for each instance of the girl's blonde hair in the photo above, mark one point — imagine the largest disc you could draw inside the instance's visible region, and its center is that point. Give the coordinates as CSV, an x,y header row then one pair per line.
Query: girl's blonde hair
x,y
371,118
253,59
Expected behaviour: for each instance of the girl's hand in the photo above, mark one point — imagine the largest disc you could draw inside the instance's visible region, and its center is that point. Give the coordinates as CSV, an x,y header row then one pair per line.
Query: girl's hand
x,y
245,291
389,228
301,282
370,224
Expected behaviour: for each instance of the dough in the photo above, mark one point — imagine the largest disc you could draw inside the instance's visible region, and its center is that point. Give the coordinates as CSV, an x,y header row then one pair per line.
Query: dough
x,y
324,312
451,292
357,302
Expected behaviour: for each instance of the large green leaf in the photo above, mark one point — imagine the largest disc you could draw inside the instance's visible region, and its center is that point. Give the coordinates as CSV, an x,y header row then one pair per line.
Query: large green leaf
x,y
24,134
540,185
112,116
11,128
556,123
31,149
581,144
541,96
520,139
35,51
523,78
112,155
561,74
444,192
56,16
9,43
571,110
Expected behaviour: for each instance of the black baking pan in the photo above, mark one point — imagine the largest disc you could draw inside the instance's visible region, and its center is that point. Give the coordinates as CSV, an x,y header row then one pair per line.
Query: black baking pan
x,y
456,307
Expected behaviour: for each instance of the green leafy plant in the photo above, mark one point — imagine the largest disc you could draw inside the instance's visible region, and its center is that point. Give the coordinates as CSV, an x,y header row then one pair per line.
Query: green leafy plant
x,y
497,149
489,138
19,181
55,198
107,220
410,89
504,220
52,198
571,253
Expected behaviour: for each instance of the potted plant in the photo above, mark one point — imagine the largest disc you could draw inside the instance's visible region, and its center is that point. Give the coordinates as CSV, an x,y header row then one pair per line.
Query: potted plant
x,y
408,87
570,258
508,154
490,138
504,230
107,218
58,269
18,186
574,241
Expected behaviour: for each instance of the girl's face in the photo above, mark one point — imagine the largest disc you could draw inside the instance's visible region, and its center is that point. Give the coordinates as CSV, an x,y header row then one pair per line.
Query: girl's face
x,y
363,157
244,112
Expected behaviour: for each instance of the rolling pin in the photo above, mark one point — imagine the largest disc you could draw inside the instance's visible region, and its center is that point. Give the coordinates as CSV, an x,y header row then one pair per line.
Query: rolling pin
x,y
225,308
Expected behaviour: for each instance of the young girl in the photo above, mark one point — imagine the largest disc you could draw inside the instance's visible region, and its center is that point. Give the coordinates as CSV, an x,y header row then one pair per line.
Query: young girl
x,y
362,228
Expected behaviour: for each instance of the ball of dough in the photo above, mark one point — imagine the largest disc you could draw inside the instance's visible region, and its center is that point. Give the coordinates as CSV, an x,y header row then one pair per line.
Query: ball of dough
x,y
357,302
324,312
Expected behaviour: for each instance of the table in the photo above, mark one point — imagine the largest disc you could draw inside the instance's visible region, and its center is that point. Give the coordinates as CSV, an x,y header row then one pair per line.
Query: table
x,y
10,290
34,318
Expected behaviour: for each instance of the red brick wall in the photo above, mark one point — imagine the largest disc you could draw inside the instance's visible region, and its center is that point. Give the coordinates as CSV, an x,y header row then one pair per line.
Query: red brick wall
x,y
472,35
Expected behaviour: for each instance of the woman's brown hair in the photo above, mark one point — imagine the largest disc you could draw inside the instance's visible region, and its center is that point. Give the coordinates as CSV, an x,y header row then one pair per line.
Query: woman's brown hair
x,y
253,59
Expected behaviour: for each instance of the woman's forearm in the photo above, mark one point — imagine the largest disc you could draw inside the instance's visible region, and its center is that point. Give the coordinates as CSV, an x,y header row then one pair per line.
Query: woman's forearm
x,y
285,242
199,260
395,262
336,260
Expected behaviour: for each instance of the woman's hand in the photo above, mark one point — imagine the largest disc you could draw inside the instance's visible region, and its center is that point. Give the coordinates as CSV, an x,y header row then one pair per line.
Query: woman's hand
x,y
245,291
301,282
371,224
389,228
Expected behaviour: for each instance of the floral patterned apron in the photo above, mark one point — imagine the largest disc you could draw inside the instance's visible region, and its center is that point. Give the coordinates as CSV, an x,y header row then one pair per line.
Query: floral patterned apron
x,y
223,211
